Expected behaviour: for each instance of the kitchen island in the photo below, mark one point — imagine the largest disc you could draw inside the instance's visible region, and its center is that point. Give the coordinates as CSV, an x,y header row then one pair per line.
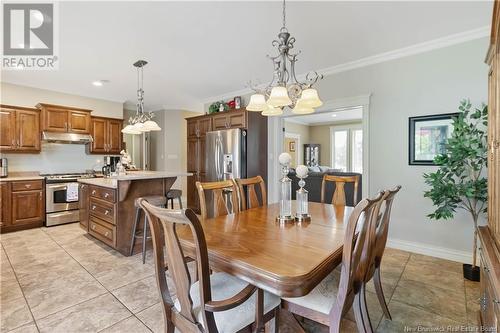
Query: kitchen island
x,y
107,209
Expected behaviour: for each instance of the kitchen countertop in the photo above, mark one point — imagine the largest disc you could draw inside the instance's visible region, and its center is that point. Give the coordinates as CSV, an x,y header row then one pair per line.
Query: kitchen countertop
x,y
112,181
20,176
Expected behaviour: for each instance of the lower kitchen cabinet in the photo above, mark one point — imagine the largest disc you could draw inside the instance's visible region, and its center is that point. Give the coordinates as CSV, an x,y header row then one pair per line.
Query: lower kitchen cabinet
x,y
23,205
83,205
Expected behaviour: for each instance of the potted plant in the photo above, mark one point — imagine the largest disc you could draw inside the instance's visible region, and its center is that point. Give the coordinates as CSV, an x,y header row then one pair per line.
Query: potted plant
x,y
459,183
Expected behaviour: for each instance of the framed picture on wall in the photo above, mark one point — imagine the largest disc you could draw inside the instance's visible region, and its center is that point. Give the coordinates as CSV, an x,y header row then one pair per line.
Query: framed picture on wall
x,y
291,146
428,136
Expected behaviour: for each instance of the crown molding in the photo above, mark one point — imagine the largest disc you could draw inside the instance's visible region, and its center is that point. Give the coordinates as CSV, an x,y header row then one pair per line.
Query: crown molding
x,y
430,45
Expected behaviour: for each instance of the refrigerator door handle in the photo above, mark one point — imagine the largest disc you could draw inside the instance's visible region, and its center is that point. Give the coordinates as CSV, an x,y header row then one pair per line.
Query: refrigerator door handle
x,y
217,158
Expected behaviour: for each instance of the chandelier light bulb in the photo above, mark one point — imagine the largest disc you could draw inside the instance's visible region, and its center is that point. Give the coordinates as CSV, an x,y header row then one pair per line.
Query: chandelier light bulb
x,y
129,129
302,108
279,97
151,125
310,98
272,111
257,103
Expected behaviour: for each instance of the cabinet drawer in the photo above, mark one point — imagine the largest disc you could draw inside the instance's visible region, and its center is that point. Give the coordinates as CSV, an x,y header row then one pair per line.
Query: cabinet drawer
x,y
27,185
103,210
102,230
107,194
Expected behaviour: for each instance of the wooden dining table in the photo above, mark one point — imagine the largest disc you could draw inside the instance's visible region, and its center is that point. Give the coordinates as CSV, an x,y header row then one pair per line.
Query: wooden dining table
x,y
288,260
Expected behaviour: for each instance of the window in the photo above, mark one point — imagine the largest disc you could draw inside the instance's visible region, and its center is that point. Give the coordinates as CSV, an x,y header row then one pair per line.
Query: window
x,y
347,147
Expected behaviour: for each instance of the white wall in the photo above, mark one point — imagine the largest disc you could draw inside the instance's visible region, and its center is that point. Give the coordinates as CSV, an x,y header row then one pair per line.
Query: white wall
x,y
429,83
56,158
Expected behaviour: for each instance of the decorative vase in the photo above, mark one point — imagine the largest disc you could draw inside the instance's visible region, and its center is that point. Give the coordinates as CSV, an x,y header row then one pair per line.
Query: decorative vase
x,y
285,190
302,214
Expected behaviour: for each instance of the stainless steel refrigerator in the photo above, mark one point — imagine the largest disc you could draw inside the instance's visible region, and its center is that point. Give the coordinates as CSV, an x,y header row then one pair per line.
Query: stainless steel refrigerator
x,y
225,155
225,159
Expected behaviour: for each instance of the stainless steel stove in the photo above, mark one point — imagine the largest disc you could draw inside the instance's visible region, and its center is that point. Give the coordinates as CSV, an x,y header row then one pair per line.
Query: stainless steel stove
x,y
61,206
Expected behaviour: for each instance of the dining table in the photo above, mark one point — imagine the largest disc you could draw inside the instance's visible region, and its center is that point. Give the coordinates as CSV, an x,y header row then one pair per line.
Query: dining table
x,y
286,259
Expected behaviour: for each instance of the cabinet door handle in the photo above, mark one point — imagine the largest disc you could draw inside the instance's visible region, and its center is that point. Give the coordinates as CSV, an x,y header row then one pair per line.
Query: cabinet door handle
x,y
106,234
106,212
13,143
18,143
41,196
93,191
93,207
106,195
27,185
93,226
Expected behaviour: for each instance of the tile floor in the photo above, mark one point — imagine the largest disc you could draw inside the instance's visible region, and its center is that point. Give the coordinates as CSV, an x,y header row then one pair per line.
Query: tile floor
x,y
61,280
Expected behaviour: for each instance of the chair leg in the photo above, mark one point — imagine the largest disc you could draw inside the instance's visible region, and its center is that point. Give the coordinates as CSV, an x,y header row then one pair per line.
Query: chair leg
x,y
134,229
380,293
277,320
364,310
172,203
180,203
358,316
144,238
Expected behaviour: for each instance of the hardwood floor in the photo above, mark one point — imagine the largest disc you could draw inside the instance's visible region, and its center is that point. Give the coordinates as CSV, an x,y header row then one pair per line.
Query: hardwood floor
x,y
61,280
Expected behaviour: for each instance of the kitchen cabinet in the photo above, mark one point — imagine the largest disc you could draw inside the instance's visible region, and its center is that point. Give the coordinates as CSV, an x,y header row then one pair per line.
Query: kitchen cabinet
x,y
22,204
5,204
107,136
253,122
58,118
83,205
231,119
19,129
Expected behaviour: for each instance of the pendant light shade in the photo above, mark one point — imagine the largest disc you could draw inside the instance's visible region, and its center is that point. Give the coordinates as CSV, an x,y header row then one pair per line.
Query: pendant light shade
x,y
257,103
310,98
279,97
272,111
302,108
151,125
129,129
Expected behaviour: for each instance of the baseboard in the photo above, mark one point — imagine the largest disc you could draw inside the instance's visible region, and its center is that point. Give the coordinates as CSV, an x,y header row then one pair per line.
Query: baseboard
x,y
430,250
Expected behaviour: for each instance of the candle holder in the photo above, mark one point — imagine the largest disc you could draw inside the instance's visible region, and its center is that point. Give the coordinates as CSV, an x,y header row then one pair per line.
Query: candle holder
x,y
285,191
302,214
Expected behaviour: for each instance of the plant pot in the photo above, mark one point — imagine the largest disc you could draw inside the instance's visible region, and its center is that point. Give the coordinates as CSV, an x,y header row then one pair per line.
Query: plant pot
x,y
472,273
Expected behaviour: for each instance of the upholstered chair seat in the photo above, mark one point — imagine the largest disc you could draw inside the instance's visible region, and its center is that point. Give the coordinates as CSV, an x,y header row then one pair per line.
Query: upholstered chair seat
x,y
223,287
322,297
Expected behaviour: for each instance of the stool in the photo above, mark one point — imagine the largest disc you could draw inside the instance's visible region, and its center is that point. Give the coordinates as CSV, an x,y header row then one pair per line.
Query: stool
x,y
156,200
174,194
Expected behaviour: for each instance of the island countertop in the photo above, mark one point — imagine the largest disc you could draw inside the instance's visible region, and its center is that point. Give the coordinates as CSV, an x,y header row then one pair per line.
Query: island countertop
x,y
112,181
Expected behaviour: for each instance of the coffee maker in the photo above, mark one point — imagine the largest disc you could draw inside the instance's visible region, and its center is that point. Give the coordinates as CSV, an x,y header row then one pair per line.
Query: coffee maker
x,y
110,164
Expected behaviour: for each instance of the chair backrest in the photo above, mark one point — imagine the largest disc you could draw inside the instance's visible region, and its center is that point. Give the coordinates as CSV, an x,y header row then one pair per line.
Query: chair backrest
x,y
251,185
338,197
224,198
164,224
359,245
382,229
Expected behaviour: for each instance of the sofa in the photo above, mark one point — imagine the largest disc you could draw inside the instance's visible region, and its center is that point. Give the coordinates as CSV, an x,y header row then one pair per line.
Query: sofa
x,y
314,180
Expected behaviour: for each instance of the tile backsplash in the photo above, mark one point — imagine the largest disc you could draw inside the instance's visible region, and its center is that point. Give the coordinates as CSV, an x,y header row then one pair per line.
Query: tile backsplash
x,y
56,158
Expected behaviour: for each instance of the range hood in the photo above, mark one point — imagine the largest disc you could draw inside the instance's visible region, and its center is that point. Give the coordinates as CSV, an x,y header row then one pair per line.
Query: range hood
x,y
72,138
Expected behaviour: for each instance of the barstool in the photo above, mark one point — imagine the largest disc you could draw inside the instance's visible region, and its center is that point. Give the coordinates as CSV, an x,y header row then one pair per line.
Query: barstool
x,y
174,194
155,200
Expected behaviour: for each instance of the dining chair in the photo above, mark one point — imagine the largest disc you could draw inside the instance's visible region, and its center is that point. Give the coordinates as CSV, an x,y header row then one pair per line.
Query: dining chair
x,y
224,198
250,185
342,289
339,195
217,302
381,231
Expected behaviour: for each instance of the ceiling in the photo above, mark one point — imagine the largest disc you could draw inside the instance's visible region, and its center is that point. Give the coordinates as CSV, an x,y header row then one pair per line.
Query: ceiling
x,y
198,50
322,118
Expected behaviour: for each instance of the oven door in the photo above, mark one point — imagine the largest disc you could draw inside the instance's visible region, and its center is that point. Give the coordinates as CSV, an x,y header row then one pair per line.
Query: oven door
x,y
55,198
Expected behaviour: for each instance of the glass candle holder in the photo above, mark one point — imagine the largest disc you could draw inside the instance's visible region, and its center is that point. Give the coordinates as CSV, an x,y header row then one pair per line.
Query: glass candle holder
x,y
302,203
285,193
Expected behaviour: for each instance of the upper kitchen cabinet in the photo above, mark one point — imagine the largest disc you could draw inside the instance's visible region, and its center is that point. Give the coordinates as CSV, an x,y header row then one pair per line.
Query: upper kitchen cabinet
x,y
57,118
107,136
19,129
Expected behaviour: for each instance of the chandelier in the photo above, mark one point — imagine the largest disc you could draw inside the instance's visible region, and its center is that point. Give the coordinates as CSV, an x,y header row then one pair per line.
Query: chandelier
x,y
285,89
142,121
